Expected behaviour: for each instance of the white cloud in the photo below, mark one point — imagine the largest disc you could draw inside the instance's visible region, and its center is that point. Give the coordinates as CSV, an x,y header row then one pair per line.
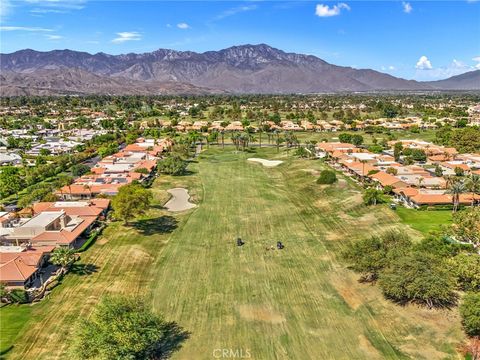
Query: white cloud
x,y
236,10
23,28
42,6
5,8
423,63
183,26
54,37
47,11
390,67
327,11
458,64
59,4
407,8
477,60
456,67
127,36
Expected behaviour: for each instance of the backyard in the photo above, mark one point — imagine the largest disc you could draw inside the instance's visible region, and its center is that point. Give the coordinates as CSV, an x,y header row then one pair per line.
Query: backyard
x,y
298,303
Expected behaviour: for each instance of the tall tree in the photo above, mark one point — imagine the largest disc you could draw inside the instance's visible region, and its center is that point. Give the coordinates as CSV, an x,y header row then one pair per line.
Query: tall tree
x,y
132,200
473,185
122,328
456,189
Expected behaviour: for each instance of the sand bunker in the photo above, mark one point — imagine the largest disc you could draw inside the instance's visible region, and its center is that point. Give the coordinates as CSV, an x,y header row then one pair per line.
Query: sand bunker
x,y
179,201
265,162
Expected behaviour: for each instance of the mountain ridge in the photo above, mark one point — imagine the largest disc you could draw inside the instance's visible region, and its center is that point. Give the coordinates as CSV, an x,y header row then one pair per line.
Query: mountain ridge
x,y
237,69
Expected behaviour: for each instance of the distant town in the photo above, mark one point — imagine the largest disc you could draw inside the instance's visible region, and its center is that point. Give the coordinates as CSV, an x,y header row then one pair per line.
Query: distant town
x,y
140,193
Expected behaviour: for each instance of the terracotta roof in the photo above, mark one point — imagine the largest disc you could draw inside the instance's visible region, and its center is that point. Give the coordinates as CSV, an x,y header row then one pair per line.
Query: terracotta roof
x,y
388,180
408,191
464,167
100,203
16,270
70,210
359,168
65,237
335,146
30,257
147,164
439,157
433,199
94,189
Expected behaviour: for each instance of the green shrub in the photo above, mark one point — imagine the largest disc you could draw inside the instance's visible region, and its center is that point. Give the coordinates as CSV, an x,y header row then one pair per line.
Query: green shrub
x,y
470,312
419,277
327,177
18,296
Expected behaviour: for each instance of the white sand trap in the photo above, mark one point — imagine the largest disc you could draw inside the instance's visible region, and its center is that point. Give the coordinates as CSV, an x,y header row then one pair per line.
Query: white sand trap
x,y
265,162
179,201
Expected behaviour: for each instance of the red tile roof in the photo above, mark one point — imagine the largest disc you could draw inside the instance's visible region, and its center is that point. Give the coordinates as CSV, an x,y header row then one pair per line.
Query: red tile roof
x,y
65,237
388,180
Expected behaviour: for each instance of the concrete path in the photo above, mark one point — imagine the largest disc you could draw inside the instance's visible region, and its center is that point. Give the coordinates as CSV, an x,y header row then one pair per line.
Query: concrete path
x,y
179,201
265,162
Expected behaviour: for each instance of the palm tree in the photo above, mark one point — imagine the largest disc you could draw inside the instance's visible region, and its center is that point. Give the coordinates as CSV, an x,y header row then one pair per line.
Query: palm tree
x,y
222,132
236,139
89,188
456,189
65,180
280,140
63,257
473,185
363,169
420,181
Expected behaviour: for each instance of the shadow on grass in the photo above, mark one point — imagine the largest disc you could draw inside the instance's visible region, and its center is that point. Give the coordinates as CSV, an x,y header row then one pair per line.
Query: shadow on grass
x,y
175,335
83,269
5,352
187,173
158,207
161,225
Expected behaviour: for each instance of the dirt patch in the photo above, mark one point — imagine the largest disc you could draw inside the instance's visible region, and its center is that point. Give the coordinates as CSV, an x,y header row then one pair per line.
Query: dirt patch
x,y
313,172
342,184
325,257
417,351
136,254
334,236
347,291
261,313
179,201
102,241
345,216
366,346
355,199
265,162
368,219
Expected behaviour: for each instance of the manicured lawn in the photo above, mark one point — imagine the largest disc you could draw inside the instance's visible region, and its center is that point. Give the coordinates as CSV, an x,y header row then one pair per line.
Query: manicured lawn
x,y
12,321
297,303
425,220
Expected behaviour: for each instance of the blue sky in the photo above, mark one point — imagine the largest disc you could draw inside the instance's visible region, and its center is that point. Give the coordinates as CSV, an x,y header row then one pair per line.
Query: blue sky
x,y
422,40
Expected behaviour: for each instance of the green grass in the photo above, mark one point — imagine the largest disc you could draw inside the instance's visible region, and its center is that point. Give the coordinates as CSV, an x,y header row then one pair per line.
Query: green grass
x,y
12,322
425,221
298,303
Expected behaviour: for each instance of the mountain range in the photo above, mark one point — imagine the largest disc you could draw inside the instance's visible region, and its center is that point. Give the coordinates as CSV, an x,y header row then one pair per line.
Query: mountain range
x,y
238,69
